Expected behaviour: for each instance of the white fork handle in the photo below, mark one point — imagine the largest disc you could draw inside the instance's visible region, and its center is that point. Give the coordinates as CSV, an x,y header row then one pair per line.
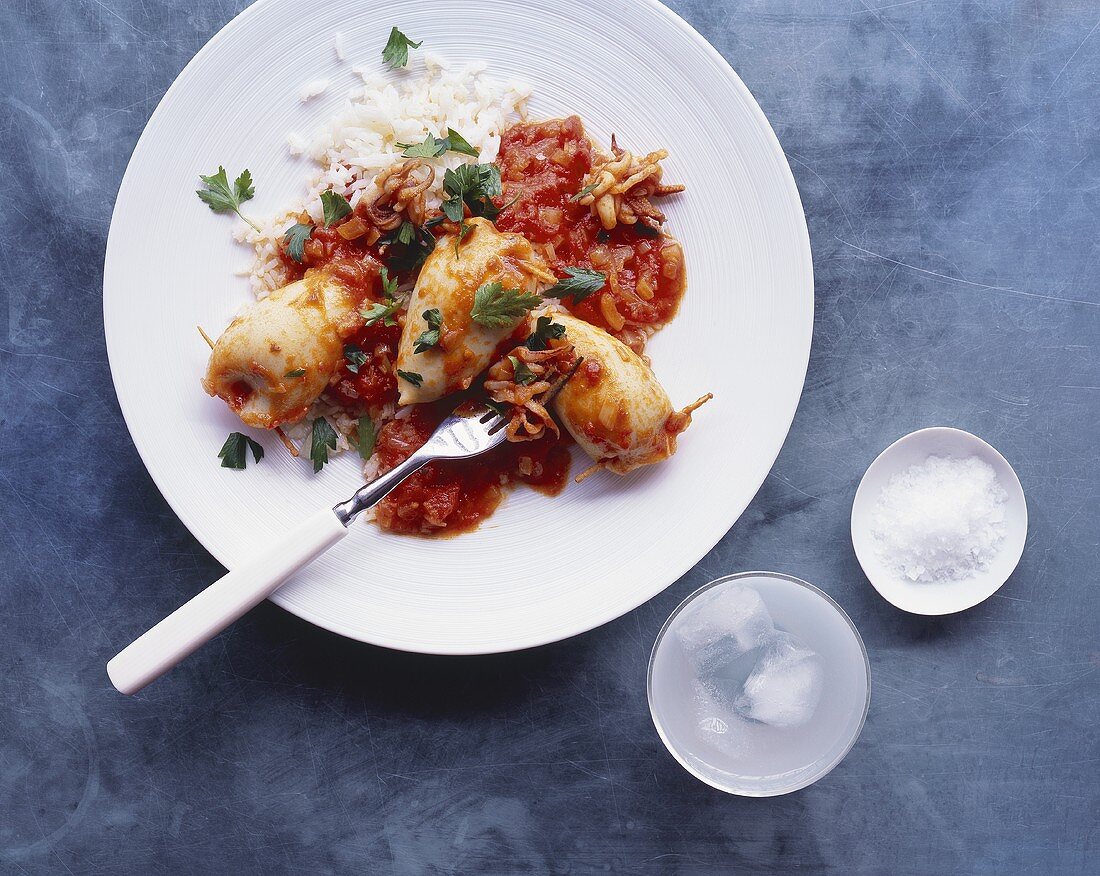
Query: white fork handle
x,y
207,614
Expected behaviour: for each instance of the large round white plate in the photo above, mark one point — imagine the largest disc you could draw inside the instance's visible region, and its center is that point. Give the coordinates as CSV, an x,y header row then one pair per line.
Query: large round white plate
x,y
540,569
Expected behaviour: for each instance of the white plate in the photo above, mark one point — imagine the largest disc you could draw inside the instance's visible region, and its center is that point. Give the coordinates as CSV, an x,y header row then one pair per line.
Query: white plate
x,y
540,569
947,597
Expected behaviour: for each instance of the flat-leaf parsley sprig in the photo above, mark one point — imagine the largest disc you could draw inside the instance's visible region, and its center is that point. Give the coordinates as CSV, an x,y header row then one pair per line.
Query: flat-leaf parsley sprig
x,y
578,285
234,453
396,52
322,439
433,146
498,307
221,198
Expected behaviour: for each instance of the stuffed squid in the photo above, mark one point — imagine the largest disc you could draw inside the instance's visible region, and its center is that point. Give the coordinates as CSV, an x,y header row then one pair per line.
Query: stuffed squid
x,y
448,283
613,406
274,360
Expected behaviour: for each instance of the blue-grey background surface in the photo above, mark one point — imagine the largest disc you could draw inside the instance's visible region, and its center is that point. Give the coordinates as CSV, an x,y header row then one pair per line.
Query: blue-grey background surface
x,y
948,155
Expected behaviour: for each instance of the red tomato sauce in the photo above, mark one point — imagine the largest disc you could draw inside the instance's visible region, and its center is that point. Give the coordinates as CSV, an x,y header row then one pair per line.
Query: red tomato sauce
x,y
543,166
455,496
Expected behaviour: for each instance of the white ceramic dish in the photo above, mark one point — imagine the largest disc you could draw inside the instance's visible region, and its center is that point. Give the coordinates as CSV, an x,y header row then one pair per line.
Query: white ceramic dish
x,y
540,569
950,596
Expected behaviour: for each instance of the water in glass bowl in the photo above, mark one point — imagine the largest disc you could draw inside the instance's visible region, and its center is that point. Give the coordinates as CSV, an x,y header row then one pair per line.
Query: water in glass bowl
x,y
759,684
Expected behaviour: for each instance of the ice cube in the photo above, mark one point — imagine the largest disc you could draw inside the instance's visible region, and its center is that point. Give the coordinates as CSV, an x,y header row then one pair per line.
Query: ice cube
x,y
718,725
724,624
784,687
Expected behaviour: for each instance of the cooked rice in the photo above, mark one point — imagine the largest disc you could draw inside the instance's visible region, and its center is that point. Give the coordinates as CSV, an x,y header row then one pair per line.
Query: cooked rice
x,y
358,142
311,89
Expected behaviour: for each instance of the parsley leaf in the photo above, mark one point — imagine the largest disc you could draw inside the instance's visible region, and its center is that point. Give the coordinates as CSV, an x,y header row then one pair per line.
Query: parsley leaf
x,y
297,372
389,287
295,240
588,189
408,246
411,376
429,338
497,307
383,313
452,209
545,330
396,52
355,357
457,143
580,283
522,374
219,197
234,451
336,207
474,185
432,147
367,436
323,438
463,230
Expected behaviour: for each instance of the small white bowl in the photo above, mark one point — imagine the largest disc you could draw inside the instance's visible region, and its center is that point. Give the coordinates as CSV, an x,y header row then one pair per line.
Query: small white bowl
x,y
919,597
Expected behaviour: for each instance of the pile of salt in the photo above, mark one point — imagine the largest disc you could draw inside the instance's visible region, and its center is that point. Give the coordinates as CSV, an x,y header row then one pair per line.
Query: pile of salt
x,y
941,520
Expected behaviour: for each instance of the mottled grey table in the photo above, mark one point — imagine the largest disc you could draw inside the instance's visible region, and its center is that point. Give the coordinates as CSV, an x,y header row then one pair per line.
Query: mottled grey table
x,y
948,155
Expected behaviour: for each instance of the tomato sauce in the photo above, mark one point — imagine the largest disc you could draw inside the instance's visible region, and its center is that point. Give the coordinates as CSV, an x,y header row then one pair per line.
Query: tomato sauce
x,y
455,496
543,166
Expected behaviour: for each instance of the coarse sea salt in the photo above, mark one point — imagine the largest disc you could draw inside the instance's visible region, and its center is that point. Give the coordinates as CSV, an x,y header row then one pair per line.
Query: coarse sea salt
x,y
941,520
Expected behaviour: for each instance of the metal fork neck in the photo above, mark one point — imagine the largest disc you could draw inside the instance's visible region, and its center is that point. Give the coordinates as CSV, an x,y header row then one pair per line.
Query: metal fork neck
x,y
371,494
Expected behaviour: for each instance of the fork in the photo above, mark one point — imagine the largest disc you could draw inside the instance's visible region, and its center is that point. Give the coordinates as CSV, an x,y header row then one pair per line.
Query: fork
x,y
211,611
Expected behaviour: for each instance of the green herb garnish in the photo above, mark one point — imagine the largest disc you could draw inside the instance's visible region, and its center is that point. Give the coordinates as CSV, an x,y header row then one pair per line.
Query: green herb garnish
x,y
409,245
336,207
234,451
297,372
396,52
464,229
580,283
433,146
587,190
429,338
367,436
323,439
383,313
497,307
295,240
411,376
474,185
546,330
389,287
521,373
457,143
220,198
355,357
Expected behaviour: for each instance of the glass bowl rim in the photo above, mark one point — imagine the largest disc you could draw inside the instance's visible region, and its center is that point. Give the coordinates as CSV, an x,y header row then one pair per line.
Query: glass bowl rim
x,y
691,597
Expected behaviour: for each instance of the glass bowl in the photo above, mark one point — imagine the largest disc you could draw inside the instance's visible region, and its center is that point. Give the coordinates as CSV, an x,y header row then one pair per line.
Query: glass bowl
x,y
759,684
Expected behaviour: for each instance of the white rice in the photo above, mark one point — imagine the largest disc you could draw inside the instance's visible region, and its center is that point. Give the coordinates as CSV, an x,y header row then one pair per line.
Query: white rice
x,y
311,89
358,142
338,45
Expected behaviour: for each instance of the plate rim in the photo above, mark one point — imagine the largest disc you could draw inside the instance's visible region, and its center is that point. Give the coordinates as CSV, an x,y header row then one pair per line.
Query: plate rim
x,y
520,643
